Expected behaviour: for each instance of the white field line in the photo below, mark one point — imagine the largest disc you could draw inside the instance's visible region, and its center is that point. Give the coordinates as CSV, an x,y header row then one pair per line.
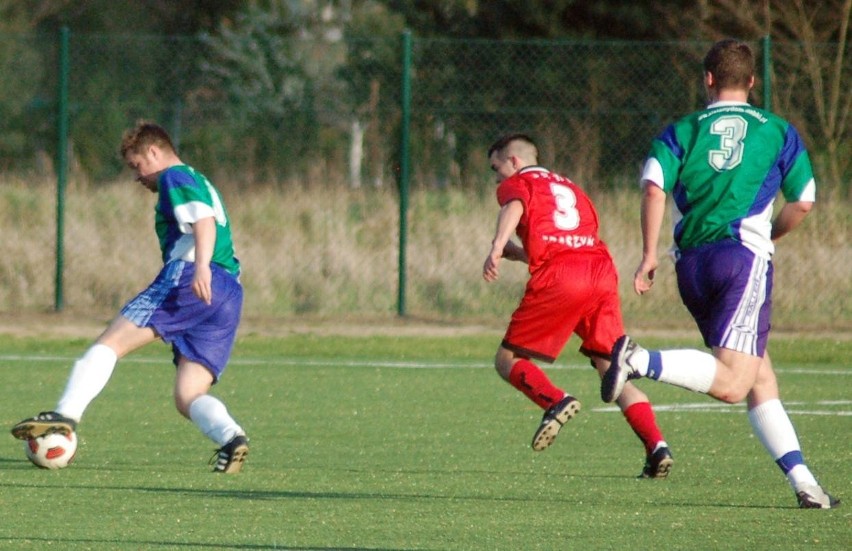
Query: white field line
x,y
793,408
331,362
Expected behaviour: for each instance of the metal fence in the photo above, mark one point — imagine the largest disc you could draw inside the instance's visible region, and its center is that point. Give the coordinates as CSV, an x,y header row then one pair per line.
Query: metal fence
x,y
340,124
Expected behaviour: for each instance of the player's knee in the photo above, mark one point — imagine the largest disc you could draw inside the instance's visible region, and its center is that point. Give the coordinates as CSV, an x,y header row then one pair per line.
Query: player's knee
x,y
502,369
182,408
732,394
503,362
182,404
736,376
730,398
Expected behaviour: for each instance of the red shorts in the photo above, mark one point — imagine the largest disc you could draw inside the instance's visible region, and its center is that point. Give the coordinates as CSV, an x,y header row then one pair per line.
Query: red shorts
x,y
573,293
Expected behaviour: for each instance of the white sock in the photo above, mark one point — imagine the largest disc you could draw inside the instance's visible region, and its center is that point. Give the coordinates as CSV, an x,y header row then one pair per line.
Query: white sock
x,y
772,426
88,378
212,417
690,369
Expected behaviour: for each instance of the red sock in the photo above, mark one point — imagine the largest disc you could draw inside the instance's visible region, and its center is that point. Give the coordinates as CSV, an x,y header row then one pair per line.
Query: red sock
x,y
531,380
640,416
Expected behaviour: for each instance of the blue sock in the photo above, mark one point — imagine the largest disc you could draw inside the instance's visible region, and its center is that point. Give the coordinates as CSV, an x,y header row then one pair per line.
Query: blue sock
x,y
790,460
655,364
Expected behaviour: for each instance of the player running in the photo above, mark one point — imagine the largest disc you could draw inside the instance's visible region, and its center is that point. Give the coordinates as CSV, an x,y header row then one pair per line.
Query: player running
x,y
724,166
573,288
194,304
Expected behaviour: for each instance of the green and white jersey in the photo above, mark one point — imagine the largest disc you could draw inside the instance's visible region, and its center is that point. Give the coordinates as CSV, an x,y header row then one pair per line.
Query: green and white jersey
x,y
724,167
186,196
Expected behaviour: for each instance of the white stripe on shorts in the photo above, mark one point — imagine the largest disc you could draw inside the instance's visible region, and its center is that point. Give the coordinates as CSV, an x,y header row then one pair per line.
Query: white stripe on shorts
x,y
140,309
741,333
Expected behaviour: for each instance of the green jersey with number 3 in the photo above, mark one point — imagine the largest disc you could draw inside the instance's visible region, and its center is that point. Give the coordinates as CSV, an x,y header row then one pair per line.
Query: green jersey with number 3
x,y
724,167
186,196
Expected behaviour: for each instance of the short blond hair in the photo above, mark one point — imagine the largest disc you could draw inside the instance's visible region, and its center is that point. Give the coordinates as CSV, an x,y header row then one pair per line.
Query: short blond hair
x,y
143,135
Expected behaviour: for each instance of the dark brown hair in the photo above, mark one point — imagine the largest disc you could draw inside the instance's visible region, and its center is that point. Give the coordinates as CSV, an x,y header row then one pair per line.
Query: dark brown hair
x,y
731,62
504,142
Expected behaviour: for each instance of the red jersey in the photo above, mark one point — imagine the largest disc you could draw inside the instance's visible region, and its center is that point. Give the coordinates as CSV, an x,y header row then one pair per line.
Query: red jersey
x,y
558,216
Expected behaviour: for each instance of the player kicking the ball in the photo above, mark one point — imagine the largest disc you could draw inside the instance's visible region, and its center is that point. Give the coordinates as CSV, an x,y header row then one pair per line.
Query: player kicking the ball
x,y
725,165
194,303
573,288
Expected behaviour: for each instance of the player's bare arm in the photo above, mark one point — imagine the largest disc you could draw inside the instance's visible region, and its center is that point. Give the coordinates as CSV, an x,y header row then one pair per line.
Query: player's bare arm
x,y
507,222
653,211
790,216
204,232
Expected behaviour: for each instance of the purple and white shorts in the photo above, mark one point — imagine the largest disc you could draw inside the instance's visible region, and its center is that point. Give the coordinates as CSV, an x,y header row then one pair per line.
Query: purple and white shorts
x,y
728,290
197,331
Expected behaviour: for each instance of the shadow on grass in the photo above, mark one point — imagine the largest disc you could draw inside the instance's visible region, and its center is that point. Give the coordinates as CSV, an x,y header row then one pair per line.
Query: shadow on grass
x,y
24,464
272,495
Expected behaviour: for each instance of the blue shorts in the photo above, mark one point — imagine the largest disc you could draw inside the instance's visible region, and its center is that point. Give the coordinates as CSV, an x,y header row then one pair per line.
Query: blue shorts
x,y
199,332
728,291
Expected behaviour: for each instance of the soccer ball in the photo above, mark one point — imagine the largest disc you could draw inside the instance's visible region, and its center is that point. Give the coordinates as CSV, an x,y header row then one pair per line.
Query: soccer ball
x,y
51,451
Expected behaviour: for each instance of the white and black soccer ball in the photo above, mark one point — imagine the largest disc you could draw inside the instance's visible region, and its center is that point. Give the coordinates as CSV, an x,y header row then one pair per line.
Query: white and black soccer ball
x,y
51,451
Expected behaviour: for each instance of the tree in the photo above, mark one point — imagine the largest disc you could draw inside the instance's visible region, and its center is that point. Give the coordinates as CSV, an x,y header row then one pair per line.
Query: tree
x,y
109,16
811,66
259,66
20,105
522,19
306,76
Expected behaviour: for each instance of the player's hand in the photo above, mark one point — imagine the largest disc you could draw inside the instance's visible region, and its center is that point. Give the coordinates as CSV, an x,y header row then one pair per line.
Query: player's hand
x,y
202,283
490,271
643,279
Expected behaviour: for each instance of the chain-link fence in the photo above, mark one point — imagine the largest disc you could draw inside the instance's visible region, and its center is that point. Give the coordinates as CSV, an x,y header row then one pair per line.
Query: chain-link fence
x,y
303,137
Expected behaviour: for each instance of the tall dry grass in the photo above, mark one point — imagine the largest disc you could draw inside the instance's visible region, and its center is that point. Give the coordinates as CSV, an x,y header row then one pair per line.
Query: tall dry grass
x,y
334,252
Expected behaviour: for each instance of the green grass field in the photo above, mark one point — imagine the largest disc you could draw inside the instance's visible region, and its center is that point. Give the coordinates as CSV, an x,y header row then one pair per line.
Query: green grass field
x,y
413,443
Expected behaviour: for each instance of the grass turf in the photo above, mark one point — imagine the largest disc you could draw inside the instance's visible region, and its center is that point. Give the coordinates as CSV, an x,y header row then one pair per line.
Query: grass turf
x,y
413,443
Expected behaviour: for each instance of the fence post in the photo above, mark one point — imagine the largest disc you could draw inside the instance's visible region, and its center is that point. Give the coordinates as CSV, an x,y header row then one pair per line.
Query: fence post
x,y
404,160
767,73
61,163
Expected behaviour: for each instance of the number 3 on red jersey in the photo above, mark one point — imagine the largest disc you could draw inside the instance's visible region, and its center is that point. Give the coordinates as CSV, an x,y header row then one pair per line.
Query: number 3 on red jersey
x,y
565,216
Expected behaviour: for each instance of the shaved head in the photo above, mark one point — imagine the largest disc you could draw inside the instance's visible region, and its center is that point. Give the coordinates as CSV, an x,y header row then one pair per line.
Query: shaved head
x,y
515,145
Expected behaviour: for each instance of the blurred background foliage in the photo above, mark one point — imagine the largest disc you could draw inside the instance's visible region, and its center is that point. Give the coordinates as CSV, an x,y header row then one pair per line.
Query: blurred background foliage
x,y
293,108
308,91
